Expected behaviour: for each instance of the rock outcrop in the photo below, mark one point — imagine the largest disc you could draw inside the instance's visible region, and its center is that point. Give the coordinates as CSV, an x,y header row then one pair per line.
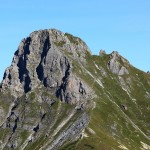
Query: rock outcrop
x,y
116,64
102,52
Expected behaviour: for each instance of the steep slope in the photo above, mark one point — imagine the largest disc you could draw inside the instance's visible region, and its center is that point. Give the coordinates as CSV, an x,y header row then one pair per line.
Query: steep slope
x,y
56,95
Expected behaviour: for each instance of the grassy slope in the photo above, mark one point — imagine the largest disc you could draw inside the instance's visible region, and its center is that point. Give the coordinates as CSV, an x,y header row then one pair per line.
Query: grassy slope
x,y
112,124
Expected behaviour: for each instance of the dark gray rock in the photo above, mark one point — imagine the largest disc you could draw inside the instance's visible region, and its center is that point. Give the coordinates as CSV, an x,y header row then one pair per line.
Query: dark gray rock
x,y
124,107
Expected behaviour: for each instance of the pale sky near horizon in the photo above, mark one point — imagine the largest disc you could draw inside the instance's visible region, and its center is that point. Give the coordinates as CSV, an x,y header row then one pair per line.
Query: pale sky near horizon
x,y
120,25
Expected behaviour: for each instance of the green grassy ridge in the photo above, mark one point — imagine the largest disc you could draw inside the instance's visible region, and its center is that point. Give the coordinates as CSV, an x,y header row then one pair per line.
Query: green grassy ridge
x,y
102,115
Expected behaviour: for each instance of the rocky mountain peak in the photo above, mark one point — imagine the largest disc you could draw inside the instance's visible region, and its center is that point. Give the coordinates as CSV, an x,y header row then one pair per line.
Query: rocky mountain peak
x,y
44,58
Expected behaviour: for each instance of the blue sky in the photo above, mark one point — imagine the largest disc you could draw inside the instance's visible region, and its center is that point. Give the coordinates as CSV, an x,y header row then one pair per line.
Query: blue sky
x,y
121,25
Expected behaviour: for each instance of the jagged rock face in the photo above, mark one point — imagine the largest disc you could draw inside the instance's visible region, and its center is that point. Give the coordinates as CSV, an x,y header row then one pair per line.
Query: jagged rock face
x,y
115,66
71,132
73,90
41,60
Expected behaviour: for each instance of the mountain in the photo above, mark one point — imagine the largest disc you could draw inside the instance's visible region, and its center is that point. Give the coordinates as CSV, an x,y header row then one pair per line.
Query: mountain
x,y
57,95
